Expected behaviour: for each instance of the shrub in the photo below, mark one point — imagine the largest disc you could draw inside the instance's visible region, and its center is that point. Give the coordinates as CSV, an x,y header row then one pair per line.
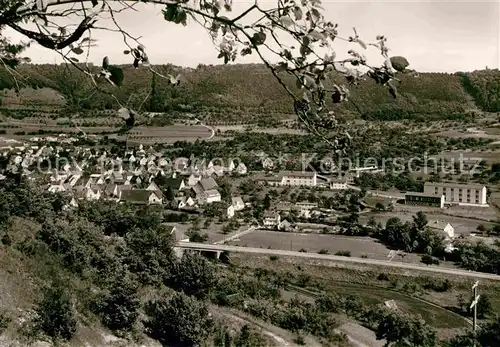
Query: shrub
x,y
55,314
303,250
119,308
274,257
429,260
4,321
324,251
182,320
383,277
344,253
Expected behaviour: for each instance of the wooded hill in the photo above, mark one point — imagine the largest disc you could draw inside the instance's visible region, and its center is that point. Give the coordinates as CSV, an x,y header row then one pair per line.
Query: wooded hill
x,y
231,92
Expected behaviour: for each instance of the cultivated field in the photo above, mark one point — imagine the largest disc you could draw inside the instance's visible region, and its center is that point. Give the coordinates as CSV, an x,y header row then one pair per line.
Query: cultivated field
x,y
313,243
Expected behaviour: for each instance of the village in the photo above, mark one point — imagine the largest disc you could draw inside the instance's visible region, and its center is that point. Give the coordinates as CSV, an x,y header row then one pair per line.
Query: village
x,y
303,202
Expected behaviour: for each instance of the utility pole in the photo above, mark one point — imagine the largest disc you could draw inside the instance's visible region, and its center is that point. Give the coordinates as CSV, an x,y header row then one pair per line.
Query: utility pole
x,y
473,305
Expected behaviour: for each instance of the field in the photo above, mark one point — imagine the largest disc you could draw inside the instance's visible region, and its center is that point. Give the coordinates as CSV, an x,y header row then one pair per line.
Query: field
x,y
313,243
141,134
461,225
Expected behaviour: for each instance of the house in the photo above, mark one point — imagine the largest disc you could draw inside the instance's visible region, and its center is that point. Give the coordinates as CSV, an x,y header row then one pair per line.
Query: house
x,y
153,187
230,211
461,194
443,226
425,199
305,208
237,203
208,184
111,191
206,191
241,169
183,201
338,184
294,179
140,196
178,236
92,193
267,163
175,184
272,220
193,179
366,169
57,187
209,196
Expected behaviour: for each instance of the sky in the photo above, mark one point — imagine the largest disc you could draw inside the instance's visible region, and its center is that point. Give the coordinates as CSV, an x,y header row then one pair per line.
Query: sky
x,y
437,36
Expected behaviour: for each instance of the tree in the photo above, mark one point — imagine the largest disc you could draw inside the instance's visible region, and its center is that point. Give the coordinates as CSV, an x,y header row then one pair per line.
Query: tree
x,y
489,335
401,330
55,314
267,202
169,194
119,308
250,338
193,275
420,221
484,307
181,320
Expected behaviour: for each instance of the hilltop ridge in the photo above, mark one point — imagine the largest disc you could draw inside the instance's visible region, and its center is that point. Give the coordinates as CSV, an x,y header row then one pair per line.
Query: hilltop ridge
x,y
228,92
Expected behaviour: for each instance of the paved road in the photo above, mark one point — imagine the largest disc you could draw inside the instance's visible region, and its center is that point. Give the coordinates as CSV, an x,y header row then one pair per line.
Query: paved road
x,y
429,268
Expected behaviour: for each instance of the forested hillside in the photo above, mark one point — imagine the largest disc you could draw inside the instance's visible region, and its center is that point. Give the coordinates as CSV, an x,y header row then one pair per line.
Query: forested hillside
x,y
228,93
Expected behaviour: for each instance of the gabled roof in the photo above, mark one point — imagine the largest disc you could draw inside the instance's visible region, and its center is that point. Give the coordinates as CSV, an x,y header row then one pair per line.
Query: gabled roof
x,y
437,224
208,184
173,183
136,195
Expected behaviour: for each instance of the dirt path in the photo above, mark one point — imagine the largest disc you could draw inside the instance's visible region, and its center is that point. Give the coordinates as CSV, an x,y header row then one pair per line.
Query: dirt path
x,y
281,337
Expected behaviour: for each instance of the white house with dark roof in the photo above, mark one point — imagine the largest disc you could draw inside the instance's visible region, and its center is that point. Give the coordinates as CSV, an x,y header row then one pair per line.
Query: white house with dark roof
x,y
140,196
271,220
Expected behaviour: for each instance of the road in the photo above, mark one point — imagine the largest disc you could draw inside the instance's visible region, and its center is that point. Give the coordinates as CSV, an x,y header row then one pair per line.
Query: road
x,y
207,127
335,258
234,236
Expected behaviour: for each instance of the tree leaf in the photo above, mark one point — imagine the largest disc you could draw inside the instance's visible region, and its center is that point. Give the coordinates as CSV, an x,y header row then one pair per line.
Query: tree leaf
x,y
141,48
246,51
282,66
259,38
297,11
399,63
74,59
77,50
316,35
126,51
105,63
286,21
298,83
94,3
361,43
116,75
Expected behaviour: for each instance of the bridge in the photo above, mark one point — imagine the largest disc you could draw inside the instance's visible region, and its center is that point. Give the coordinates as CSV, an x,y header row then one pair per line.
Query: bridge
x,y
218,249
